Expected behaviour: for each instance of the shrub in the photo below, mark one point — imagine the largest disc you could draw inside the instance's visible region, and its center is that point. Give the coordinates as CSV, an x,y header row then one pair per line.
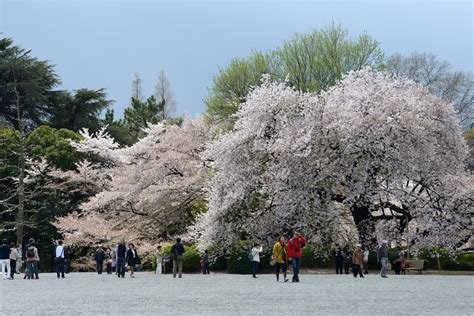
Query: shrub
x,y
238,261
191,258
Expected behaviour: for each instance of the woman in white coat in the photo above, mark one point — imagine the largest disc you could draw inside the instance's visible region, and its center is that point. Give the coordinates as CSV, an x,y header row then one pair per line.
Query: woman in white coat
x,y
159,260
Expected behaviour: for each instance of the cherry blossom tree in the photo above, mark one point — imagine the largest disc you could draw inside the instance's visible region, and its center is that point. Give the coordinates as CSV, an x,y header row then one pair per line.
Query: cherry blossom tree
x,y
380,145
154,188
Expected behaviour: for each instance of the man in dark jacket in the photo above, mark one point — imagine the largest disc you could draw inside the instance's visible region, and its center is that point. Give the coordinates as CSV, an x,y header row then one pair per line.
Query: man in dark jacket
x,y
382,257
121,251
339,260
177,252
99,259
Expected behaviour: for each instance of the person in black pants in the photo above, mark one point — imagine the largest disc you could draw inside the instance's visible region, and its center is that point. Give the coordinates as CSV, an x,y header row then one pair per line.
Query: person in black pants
x,y
205,262
99,259
59,259
67,259
121,252
347,259
339,260
132,259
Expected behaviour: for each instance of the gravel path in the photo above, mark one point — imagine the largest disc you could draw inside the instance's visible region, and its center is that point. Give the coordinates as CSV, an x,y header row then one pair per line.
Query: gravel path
x,y
216,294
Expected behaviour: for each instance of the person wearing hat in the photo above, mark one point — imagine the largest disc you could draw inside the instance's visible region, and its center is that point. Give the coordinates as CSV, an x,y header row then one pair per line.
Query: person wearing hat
x,y
382,257
357,261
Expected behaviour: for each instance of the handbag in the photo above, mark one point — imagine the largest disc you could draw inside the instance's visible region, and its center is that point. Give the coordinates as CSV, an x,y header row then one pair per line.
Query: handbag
x,y
273,259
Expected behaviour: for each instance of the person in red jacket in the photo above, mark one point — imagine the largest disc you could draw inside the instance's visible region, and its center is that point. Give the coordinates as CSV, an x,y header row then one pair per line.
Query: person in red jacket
x,y
295,252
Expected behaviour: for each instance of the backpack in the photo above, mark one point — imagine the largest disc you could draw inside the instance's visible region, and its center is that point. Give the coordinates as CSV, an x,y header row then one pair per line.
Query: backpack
x,y
250,256
30,252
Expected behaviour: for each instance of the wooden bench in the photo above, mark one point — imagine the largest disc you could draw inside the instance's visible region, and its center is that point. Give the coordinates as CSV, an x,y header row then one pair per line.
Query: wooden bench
x,y
416,265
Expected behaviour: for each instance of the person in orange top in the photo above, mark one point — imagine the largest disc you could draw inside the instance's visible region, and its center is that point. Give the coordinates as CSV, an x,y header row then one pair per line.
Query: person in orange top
x,y
295,252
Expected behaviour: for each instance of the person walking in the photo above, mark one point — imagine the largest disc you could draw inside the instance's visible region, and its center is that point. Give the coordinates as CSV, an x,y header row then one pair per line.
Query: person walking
x,y
280,253
114,262
14,258
19,260
5,259
59,259
255,256
32,259
205,262
159,260
339,260
132,258
357,261
382,257
347,259
399,264
99,259
108,260
121,252
67,259
295,253
177,251
366,260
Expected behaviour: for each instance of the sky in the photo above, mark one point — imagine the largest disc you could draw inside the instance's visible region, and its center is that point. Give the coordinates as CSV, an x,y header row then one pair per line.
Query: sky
x,y
103,43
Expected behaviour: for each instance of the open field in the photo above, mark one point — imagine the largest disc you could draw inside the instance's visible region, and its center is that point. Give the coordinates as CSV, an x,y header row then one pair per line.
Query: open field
x,y
195,294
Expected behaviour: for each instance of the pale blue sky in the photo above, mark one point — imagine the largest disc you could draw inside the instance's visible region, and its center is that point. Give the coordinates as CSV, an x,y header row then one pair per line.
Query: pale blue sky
x,y
101,44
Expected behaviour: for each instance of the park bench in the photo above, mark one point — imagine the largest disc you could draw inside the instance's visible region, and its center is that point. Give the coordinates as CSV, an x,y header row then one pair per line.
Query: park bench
x,y
416,265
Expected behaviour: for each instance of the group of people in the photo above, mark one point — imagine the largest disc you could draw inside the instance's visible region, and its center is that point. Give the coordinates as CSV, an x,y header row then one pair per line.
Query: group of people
x,y
11,257
359,259
123,255
177,251
117,260
284,253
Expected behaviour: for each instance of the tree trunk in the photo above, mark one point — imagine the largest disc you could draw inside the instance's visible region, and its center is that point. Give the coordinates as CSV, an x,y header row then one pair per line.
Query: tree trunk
x,y
20,219
365,225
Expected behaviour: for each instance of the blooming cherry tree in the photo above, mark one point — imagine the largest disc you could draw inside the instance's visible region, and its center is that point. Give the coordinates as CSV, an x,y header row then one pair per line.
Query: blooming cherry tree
x,y
378,144
154,187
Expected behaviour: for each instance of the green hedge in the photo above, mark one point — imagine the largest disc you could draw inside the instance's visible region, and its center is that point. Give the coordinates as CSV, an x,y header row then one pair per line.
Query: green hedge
x,y
236,260
191,259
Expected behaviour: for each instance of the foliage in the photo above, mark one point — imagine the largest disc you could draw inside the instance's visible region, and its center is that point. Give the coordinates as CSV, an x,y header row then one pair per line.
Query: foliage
x,y
238,261
191,258
164,95
79,110
142,114
382,146
455,87
34,79
317,257
308,62
45,147
155,187
54,145
469,136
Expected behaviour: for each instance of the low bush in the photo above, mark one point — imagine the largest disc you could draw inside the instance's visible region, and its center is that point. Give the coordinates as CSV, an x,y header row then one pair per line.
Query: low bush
x,y
191,258
238,261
